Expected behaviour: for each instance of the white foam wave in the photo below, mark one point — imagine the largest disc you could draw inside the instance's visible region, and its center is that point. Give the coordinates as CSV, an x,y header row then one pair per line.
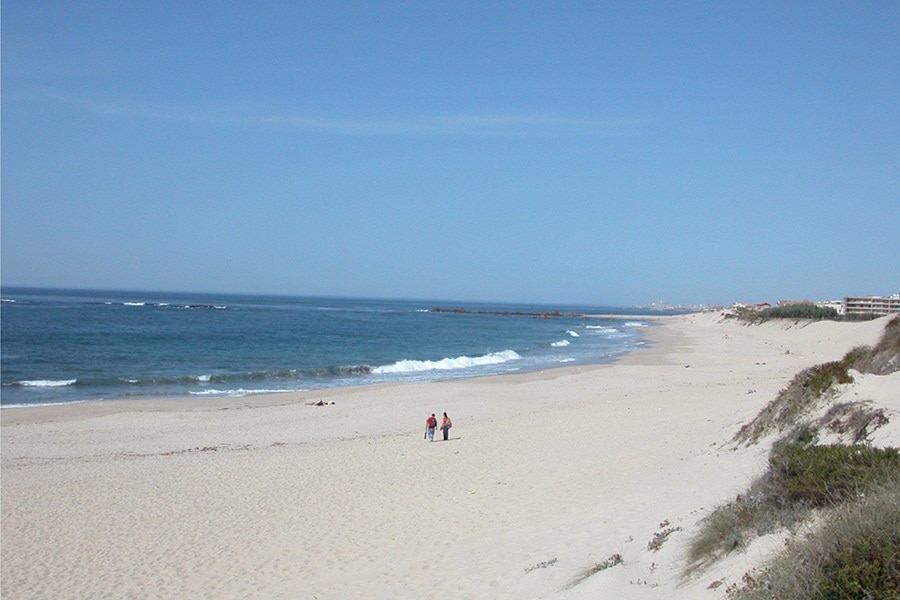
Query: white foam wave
x,y
573,334
134,303
10,300
560,344
610,332
635,324
23,405
203,378
239,393
446,364
47,382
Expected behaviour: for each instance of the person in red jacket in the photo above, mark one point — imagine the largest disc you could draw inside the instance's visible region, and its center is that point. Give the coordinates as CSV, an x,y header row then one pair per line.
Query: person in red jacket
x,y
430,425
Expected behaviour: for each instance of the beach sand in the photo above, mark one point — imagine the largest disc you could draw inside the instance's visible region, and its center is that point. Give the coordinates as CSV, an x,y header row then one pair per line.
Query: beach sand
x,y
545,475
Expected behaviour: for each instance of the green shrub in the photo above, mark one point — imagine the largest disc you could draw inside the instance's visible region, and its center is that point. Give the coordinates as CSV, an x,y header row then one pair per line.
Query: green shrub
x,y
822,376
801,477
883,358
860,355
798,311
854,555
802,393
862,567
821,475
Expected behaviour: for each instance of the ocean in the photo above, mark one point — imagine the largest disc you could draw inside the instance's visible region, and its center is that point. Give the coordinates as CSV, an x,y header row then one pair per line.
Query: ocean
x,y
61,346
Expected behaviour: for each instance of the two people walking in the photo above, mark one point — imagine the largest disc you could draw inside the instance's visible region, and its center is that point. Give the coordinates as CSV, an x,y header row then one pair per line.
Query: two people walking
x,y
431,425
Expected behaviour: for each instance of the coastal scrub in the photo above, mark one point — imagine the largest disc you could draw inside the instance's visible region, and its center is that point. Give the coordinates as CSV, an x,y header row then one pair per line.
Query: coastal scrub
x,y
856,556
811,386
801,477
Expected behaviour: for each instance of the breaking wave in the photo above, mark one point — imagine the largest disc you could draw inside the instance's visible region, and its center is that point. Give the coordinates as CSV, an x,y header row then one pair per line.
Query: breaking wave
x,y
240,393
47,383
447,364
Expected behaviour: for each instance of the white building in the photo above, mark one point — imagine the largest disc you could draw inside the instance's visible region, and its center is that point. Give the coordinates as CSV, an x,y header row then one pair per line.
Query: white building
x,y
872,305
837,305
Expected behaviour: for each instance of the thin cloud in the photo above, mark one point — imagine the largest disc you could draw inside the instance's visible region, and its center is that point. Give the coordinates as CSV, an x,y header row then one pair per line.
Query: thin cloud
x,y
501,124
488,124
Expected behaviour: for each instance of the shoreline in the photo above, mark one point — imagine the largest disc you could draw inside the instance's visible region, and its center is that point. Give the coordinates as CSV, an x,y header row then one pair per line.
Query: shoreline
x,y
546,474
100,407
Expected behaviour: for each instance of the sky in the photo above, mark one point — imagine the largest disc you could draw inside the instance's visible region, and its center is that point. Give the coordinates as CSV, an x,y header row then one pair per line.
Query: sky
x,y
603,153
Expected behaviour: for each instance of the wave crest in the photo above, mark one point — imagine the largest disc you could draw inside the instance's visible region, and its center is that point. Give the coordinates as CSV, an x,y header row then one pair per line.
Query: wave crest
x,y
447,364
47,382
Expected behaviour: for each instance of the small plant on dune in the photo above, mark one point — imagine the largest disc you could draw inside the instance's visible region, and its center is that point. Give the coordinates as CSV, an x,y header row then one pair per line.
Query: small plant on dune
x,y
615,559
857,420
732,526
660,537
822,376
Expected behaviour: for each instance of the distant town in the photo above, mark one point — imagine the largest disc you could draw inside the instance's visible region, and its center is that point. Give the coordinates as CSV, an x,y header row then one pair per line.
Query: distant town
x,y
851,305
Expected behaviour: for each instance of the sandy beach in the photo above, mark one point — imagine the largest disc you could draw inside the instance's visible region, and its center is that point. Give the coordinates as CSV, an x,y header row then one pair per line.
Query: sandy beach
x,y
545,474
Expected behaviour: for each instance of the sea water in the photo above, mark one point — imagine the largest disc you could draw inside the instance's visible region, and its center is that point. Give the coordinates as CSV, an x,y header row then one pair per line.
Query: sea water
x,y
61,346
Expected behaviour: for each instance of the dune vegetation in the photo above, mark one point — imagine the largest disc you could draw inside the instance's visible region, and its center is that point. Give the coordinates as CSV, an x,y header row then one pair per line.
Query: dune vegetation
x,y
839,504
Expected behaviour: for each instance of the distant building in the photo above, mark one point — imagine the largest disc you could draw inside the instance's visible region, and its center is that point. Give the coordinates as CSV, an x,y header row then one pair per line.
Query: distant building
x,y
837,305
872,305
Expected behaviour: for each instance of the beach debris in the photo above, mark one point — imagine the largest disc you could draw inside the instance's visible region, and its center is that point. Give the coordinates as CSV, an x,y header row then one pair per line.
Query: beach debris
x,y
541,565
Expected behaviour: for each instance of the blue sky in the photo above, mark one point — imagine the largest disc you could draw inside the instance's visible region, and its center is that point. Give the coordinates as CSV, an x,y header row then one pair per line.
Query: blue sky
x,y
559,152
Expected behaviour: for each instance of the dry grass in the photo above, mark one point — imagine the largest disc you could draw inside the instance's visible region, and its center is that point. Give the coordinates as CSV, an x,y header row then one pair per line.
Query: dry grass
x,y
804,393
801,478
615,559
856,555
855,420
811,387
